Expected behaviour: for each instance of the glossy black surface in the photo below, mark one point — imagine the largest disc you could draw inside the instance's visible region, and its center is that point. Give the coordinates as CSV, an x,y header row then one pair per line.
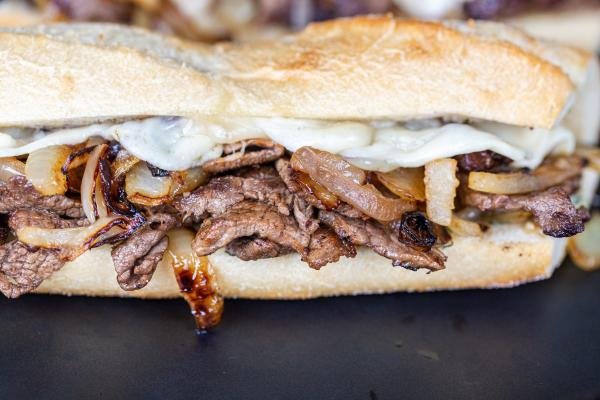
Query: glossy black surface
x,y
537,341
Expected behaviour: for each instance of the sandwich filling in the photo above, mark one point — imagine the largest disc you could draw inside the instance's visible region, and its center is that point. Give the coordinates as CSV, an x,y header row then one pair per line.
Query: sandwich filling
x,y
261,188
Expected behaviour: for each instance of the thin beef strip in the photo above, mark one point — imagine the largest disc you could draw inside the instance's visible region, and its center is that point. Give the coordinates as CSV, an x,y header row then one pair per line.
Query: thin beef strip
x,y
372,234
223,192
326,247
481,161
137,257
18,193
243,154
42,219
255,248
249,219
551,209
24,268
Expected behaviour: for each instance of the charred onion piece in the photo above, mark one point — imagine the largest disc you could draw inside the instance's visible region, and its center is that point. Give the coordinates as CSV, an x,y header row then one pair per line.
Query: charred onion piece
x,y
347,182
552,173
244,154
88,182
440,190
415,229
195,278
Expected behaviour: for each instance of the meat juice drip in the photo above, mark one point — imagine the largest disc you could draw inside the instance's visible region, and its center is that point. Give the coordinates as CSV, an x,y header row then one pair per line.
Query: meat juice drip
x,y
198,287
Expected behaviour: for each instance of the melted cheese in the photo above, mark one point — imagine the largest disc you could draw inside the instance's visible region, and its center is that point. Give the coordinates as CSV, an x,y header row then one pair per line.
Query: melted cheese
x,y
429,9
173,143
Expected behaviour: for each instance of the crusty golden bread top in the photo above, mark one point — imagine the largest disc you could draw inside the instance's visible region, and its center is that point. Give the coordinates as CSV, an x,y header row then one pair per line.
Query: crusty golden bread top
x,y
360,68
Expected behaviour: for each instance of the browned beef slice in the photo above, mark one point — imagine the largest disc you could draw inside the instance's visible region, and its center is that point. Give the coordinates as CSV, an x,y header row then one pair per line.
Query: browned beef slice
x,y
255,248
136,258
94,10
552,208
23,268
303,212
222,192
42,219
481,161
374,235
19,193
243,154
326,247
249,218
257,172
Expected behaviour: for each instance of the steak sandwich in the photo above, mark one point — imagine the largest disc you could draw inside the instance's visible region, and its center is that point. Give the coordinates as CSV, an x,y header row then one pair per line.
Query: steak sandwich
x,y
362,155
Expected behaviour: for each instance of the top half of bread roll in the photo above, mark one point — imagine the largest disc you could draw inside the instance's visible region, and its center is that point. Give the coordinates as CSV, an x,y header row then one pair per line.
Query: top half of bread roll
x,y
366,68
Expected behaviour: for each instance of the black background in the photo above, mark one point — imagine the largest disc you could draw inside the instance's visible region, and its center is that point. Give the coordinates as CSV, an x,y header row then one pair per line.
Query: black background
x,y
540,340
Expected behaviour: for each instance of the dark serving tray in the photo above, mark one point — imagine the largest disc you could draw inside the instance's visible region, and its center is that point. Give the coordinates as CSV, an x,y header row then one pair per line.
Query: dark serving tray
x,y
538,341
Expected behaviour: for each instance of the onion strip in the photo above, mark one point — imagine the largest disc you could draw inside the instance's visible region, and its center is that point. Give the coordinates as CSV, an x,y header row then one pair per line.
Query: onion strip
x,y
44,169
10,167
76,240
547,175
88,183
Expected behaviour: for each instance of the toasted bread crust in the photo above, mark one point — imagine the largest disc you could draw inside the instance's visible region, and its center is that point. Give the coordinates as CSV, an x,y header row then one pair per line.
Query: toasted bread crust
x,y
360,68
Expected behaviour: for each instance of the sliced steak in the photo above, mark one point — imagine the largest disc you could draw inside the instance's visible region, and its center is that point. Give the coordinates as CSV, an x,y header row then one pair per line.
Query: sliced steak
x,y
249,218
255,248
223,192
42,219
304,214
326,247
244,154
372,234
18,193
137,257
257,172
481,161
94,10
24,268
551,209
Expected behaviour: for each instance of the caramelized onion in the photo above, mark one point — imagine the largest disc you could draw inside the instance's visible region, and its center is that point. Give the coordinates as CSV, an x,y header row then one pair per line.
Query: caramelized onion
x,y
592,154
188,180
75,240
88,182
406,183
583,248
44,169
195,278
144,188
547,175
463,227
347,182
328,199
123,163
10,167
440,190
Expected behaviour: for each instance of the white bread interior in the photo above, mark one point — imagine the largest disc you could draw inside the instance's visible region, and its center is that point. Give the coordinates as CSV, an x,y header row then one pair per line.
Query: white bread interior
x,y
366,68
